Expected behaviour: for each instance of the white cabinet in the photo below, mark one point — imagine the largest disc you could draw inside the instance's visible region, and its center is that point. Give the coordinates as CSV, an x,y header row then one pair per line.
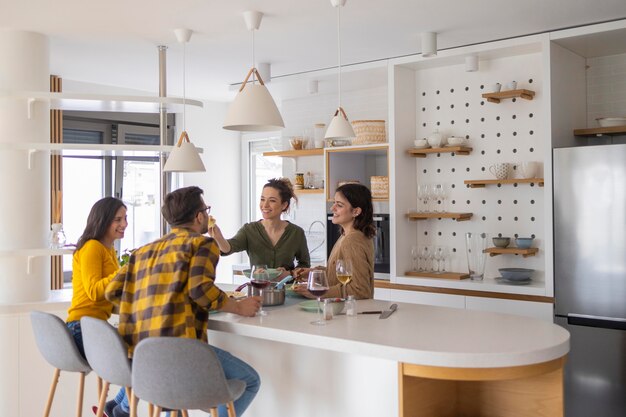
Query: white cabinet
x,y
543,311
355,163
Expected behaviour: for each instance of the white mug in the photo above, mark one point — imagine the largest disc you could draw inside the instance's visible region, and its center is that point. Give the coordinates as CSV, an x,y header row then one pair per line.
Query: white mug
x,y
496,87
500,170
512,85
529,169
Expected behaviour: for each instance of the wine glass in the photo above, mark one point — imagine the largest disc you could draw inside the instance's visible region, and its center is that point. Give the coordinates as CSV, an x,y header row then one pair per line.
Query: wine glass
x,y
442,254
318,286
415,255
260,279
344,273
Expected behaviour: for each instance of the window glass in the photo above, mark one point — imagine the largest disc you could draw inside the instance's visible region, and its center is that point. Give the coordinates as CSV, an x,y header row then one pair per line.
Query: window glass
x,y
262,168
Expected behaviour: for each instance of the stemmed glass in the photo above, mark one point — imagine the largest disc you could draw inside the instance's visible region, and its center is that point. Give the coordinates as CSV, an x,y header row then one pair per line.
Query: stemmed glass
x,y
344,273
438,195
260,279
415,255
318,286
441,252
425,255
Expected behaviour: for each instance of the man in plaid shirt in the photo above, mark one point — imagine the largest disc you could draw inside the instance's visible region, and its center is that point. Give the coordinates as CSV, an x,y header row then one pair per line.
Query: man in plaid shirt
x,y
167,289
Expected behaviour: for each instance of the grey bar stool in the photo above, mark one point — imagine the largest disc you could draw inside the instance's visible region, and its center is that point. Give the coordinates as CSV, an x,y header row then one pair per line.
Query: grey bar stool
x,y
182,374
107,354
57,346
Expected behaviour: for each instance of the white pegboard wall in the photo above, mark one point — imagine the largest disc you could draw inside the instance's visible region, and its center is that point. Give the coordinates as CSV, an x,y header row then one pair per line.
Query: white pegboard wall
x,y
449,99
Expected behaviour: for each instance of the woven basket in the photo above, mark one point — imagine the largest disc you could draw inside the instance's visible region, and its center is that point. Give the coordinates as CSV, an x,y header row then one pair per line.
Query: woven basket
x,y
369,131
379,186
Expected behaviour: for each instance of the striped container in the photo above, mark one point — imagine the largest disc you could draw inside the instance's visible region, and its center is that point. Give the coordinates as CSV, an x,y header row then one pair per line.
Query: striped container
x,y
369,131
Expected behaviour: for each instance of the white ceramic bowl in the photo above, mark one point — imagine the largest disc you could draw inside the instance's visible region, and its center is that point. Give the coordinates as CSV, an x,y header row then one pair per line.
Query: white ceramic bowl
x,y
611,121
456,141
420,142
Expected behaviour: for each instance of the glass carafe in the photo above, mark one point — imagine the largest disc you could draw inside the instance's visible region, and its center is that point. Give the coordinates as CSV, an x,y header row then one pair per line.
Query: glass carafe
x,y
57,236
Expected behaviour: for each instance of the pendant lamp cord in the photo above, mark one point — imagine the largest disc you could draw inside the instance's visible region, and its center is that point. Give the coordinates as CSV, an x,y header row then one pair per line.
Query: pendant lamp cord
x,y
253,59
184,88
339,52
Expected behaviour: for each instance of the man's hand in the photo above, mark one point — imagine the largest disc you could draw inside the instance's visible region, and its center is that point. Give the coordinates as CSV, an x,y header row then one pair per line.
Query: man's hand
x,y
246,307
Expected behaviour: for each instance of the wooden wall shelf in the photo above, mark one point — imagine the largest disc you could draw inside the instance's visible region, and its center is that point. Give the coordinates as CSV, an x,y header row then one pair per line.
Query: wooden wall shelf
x,y
310,191
496,97
422,152
601,131
445,215
442,275
512,251
483,183
294,153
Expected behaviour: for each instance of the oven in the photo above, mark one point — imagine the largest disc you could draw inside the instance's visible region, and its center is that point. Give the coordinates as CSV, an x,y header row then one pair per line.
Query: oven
x,y
381,243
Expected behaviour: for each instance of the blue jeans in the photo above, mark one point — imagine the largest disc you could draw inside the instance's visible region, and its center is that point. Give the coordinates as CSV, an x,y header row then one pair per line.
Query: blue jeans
x,y
77,333
235,368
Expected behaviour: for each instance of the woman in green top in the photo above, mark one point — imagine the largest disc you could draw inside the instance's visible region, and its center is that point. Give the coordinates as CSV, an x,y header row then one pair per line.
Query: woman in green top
x,y
271,241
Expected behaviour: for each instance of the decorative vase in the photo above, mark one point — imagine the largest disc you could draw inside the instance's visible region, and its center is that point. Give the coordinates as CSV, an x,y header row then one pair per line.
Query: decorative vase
x,y
57,236
475,245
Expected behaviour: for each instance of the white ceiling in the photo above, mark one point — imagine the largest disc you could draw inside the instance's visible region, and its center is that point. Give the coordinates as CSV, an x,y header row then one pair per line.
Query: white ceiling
x,y
113,42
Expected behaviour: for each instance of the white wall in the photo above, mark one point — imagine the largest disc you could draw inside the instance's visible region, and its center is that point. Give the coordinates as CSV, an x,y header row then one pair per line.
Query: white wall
x,y
606,87
222,180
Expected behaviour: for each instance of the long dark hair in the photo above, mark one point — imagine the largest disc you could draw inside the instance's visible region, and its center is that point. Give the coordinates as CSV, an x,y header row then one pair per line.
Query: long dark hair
x,y
100,218
360,196
285,190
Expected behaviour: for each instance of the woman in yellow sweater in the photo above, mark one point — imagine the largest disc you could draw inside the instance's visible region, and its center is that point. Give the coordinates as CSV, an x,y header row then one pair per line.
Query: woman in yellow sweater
x,y
353,212
94,264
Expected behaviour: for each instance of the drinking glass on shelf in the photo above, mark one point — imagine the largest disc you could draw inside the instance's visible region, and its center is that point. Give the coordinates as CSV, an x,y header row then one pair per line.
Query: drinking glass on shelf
x,y
440,193
421,194
415,256
318,286
260,279
442,254
425,256
343,267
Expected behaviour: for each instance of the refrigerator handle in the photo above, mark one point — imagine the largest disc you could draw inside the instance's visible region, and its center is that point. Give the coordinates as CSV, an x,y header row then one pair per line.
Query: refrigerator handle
x,y
596,321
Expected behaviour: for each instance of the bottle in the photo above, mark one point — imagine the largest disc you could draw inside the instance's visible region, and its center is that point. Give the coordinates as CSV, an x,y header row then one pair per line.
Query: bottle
x,y
318,135
299,183
351,306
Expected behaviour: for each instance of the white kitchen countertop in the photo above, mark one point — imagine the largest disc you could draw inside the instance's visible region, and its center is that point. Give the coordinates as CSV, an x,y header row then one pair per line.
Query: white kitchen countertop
x,y
417,334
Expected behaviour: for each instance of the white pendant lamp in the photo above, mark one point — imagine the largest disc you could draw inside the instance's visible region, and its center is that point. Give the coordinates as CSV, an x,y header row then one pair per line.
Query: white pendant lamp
x,y
339,127
253,109
184,156
429,44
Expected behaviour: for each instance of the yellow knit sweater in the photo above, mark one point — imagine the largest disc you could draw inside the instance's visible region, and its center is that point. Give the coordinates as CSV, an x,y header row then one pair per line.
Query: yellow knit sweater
x,y
93,267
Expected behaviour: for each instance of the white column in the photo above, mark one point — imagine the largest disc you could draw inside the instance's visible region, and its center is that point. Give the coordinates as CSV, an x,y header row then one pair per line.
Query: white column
x,y
25,201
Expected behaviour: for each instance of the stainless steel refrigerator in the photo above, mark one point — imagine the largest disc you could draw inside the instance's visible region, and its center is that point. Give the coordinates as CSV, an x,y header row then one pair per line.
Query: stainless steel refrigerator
x,y
590,276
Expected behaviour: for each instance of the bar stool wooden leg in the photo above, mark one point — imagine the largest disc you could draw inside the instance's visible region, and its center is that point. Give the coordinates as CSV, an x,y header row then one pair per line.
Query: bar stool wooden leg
x,y
99,386
103,397
214,412
157,411
133,404
81,391
150,410
53,387
185,413
174,413
231,409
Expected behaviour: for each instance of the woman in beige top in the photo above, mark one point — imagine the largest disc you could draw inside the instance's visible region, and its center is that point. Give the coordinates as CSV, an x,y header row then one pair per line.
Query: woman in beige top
x,y
353,212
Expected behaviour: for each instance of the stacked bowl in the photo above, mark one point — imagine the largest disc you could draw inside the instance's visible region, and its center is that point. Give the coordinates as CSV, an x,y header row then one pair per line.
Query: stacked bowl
x,y
515,276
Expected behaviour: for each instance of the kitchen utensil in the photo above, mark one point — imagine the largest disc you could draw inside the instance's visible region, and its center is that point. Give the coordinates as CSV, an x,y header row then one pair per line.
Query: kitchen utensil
x,y
273,273
611,121
500,170
280,284
524,242
272,296
501,242
516,274
475,245
435,139
389,312
529,169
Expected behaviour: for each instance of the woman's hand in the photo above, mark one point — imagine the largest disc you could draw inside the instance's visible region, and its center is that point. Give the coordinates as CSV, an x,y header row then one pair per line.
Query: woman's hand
x,y
302,274
283,273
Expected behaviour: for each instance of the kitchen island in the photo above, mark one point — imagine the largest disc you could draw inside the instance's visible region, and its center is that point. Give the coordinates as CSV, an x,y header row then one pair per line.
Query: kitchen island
x,y
421,361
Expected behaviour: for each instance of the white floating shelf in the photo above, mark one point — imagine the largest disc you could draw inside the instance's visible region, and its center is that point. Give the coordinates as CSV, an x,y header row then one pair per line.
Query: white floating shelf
x,y
102,102
34,253
78,149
